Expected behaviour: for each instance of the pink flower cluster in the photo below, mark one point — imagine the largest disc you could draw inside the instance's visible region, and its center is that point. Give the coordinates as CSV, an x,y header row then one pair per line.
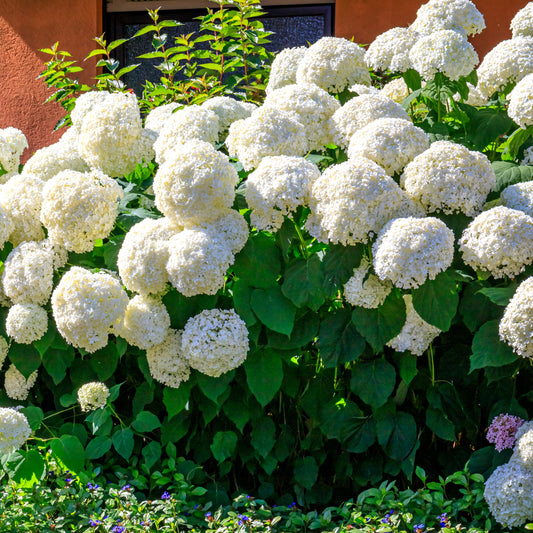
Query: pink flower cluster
x,y
502,431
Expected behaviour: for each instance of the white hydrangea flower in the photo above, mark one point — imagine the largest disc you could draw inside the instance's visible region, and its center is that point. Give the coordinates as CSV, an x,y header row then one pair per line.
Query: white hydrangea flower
x,y
508,62
28,273
79,208
390,50
143,255
284,67
228,110
334,64
4,348
87,307
215,341
194,184
528,156
146,322
519,196
84,104
231,227
266,132
416,334
350,202
360,89
167,362
498,241
58,251
361,111
277,187
157,117
390,142
6,226
311,106
191,123
14,430
520,107
92,396
396,90
522,23
364,289
26,323
12,144
21,197
450,178
523,450
444,51
509,495
17,387
197,262
475,97
408,251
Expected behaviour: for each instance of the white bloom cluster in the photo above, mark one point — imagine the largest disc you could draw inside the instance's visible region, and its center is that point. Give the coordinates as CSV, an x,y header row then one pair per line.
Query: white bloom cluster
x,y
277,187
311,106
360,89
416,334
231,227
396,90
519,196
390,50
12,144
26,323
79,208
194,184
191,123
522,23
215,341
6,226
352,201
444,51
475,97
265,132
4,348
87,307
528,156
334,64
410,250
284,67
450,178
167,362
84,104
157,117
390,142
523,450
498,241
364,289
17,387
508,62
520,107
361,111
146,322
228,110
92,396
14,430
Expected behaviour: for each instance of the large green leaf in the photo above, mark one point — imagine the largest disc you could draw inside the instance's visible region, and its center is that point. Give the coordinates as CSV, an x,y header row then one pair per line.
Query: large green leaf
x,y
339,262
264,374
104,361
263,435
182,308
499,295
145,422
213,388
69,450
25,358
56,362
358,434
402,437
151,453
488,349
373,381
304,331
485,125
336,416
29,470
34,415
123,442
237,410
98,447
306,471
303,281
508,173
224,444
242,292
273,309
175,400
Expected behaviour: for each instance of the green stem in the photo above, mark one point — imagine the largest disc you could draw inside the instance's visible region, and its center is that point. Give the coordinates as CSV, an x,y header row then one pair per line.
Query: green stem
x,y
431,362
59,412
303,245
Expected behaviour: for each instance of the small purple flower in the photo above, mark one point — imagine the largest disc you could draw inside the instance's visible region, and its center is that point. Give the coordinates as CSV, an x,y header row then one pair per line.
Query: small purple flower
x,y
208,516
94,523
118,529
444,520
419,528
126,487
165,496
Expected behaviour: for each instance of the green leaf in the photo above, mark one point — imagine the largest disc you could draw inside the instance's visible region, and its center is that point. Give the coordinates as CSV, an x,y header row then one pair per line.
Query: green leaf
x,y
273,309
380,325
30,470
303,281
104,361
183,308
69,450
264,375
516,140
224,444
485,125
406,364
242,293
123,442
508,173
306,471
373,381
144,394
145,422
336,416
25,358
236,410
213,388
112,45
98,446
56,362
412,79
34,415
440,424
488,349
339,262
499,295
151,453
436,301
175,400
263,435
402,437
44,343
304,331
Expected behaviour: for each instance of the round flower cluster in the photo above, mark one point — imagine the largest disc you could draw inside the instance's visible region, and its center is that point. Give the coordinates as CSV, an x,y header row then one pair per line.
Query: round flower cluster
x,y
265,132
352,201
502,431
475,98
522,23
498,241
92,396
277,187
228,110
284,67
361,111
528,156
157,117
390,142
445,51
26,323
4,348
410,250
17,387
449,178
519,196
231,227
416,334
311,106
215,341
166,361
396,90
334,64
521,102
390,50
366,290
84,104
87,307
359,89
12,144
79,208
6,226
523,450
14,430
194,184
508,62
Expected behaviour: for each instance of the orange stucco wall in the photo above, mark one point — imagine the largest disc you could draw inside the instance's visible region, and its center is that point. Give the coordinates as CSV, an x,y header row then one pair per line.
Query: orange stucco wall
x,y
25,27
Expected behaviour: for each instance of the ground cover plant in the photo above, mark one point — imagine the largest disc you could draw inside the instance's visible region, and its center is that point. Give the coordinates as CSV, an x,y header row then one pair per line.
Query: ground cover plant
x,y
301,288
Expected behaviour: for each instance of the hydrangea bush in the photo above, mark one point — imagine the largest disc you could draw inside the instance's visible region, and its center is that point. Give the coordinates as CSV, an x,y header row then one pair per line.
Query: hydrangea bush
x,y
304,297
